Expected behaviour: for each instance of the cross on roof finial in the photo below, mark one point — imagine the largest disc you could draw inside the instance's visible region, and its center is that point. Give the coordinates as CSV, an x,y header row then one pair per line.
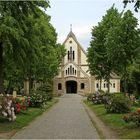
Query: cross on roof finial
x,y
71,27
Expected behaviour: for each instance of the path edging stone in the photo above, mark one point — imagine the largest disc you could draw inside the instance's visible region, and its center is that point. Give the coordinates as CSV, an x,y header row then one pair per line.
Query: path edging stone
x,y
104,131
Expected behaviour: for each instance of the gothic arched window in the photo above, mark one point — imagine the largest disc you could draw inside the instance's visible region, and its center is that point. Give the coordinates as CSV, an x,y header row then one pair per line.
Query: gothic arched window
x,y
68,55
70,69
73,71
73,55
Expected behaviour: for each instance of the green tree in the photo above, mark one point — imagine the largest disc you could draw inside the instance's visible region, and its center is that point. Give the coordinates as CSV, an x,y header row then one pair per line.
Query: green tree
x,y
134,76
99,63
47,55
42,57
123,44
13,41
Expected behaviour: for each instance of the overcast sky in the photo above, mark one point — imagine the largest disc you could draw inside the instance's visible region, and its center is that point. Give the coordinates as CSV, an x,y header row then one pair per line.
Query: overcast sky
x,y
82,14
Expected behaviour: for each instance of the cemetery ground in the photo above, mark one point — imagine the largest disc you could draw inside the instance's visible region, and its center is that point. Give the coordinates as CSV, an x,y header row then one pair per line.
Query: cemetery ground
x,y
8,129
108,125
113,122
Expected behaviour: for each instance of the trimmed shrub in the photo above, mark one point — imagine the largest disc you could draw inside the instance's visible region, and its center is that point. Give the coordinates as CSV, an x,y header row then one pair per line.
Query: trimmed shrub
x,y
46,89
106,97
89,97
118,103
40,97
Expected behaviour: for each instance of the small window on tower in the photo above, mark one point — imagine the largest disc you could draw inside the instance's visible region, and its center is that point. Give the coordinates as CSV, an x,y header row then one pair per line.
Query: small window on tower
x,y
97,85
82,85
66,72
75,72
70,41
114,85
59,86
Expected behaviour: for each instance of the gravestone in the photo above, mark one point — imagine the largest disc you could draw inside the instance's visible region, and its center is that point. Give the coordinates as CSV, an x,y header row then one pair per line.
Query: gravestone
x,y
26,86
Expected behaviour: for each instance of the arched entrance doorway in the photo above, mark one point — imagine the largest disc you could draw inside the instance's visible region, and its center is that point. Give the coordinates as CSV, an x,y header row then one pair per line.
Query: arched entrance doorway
x,y
71,87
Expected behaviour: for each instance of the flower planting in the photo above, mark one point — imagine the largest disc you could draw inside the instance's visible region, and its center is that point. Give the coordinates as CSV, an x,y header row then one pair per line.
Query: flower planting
x,y
133,117
38,98
10,106
114,102
7,109
21,104
99,97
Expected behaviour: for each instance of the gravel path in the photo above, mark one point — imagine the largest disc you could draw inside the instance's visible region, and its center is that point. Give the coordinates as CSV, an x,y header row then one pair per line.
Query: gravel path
x,y
66,120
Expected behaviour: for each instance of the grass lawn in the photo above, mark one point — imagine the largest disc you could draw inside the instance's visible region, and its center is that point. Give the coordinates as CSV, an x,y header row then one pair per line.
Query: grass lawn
x,y
115,121
24,118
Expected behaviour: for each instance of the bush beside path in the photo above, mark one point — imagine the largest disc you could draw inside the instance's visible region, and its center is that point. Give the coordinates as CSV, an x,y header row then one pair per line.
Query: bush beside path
x,y
112,125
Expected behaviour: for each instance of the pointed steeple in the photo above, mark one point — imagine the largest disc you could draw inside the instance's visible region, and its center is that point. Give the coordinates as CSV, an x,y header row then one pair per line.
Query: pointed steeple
x,y
70,27
71,34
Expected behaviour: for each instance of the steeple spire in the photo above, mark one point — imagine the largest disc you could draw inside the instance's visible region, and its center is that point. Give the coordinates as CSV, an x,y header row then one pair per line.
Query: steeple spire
x,y
71,27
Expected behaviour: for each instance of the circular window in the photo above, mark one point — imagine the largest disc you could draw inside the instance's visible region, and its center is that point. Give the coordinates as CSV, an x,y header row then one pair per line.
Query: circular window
x,y
70,41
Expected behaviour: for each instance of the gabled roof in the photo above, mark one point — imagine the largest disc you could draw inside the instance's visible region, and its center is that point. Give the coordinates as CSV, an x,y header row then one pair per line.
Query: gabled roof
x,y
72,35
114,76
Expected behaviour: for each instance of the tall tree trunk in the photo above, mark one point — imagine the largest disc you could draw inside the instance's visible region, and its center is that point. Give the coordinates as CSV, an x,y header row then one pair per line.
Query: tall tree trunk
x,y
100,84
108,85
1,69
125,85
108,80
30,78
125,80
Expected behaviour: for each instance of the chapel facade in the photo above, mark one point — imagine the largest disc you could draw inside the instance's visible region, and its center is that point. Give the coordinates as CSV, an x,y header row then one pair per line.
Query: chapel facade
x,y
74,77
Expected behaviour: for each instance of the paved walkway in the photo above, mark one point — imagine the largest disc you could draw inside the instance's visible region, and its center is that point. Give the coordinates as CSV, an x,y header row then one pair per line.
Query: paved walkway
x,y
66,120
